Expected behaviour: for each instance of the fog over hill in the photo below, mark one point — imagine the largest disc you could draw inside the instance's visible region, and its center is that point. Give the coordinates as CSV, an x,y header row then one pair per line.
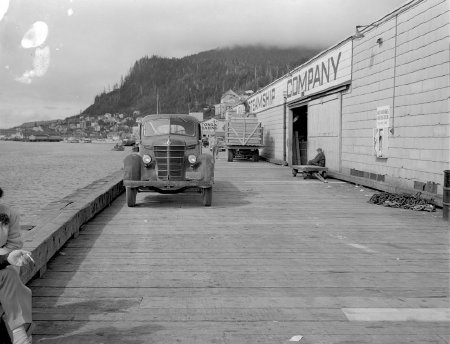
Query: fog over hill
x,y
195,82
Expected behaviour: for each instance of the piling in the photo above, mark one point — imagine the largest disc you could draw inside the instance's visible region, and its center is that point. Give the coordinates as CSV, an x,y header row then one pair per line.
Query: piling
x,y
446,196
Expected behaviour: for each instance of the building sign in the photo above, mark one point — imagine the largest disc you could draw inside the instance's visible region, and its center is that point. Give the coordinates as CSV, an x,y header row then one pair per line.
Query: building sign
x,y
327,71
262,100
383,113
212,125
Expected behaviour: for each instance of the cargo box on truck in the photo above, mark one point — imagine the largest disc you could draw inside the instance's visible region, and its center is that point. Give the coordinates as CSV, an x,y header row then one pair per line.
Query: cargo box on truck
x,y
243,136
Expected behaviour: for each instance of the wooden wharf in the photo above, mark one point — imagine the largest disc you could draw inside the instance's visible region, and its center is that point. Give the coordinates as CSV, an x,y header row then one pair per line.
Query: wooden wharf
x,y
275,257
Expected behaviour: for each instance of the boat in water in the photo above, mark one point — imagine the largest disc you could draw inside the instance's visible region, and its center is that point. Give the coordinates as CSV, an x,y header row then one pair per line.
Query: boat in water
x,y
118,147
129,141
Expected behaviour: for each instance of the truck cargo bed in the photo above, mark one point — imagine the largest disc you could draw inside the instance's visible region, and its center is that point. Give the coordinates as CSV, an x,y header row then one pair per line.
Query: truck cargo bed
x,y
243,131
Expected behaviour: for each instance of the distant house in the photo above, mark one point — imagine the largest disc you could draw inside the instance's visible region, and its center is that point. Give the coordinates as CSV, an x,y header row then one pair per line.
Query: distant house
x,y
229,100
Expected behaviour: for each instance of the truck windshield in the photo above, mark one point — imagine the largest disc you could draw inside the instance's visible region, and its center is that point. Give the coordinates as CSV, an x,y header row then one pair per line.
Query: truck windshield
x,y
166,126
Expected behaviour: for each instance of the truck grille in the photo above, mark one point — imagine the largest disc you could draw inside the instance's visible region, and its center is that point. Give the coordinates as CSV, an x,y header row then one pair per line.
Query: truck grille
x,y
170,162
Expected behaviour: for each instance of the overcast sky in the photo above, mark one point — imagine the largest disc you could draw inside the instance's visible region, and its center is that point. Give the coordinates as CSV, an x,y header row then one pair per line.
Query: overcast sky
x,y
57,55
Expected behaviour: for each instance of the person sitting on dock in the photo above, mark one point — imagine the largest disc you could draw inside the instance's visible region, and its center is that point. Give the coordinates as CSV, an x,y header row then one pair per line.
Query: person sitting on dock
x,y
319,159
10,237
15,297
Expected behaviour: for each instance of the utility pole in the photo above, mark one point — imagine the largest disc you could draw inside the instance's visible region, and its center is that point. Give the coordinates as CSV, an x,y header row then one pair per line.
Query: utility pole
x,y
157,102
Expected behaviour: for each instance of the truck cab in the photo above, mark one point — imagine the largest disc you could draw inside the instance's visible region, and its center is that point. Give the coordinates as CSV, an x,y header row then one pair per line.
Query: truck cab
x,y
169,159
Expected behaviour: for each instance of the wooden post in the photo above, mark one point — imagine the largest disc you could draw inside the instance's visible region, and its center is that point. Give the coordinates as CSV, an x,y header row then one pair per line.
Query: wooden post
x,y
446,195
297,148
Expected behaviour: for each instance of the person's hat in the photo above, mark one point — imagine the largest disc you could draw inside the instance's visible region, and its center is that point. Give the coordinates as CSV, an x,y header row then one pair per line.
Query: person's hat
x,y
319,149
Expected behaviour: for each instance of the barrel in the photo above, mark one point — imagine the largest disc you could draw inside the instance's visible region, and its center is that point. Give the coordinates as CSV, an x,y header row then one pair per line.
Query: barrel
x,y
446,196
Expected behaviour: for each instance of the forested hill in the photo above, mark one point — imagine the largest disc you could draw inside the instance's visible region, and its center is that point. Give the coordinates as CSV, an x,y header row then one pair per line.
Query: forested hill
x,y
197,81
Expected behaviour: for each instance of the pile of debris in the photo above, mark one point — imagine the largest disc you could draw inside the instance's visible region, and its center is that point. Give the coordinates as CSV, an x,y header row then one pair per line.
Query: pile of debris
x,y
405,201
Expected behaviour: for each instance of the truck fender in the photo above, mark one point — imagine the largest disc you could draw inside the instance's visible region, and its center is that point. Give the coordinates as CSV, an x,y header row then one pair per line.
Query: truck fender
x,y
132,167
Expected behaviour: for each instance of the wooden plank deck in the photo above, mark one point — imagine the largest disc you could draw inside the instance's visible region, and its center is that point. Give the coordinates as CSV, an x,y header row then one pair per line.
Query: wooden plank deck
x,y
274,257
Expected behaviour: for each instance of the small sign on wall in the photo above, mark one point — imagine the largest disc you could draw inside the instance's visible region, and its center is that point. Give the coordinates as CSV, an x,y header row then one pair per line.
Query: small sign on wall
x,y
381,132
383,114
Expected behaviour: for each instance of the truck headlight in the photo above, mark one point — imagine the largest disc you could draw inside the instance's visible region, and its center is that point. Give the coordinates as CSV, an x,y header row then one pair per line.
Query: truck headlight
x,y
147,159
192,159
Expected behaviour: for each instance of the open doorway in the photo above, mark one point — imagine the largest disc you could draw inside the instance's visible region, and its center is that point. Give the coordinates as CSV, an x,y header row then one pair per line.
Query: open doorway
x,y
300,135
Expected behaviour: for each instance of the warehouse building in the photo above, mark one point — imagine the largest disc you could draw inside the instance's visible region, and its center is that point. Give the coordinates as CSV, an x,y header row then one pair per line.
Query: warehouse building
x,y
377,103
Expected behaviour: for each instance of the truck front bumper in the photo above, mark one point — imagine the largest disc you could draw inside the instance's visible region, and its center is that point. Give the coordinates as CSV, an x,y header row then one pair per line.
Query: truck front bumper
x,y
167,184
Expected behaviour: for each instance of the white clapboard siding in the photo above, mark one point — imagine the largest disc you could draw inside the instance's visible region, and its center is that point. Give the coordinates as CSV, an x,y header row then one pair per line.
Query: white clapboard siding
x,y
409,72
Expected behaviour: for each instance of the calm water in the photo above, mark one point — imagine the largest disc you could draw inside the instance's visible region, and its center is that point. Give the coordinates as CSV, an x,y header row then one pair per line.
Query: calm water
x,y
35,174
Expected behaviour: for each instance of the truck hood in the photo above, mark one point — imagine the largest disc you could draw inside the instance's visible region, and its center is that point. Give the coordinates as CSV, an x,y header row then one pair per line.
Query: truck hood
x,y
172,140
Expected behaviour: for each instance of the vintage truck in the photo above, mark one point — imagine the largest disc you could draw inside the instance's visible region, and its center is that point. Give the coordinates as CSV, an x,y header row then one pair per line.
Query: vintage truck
x,y
243,136
169,159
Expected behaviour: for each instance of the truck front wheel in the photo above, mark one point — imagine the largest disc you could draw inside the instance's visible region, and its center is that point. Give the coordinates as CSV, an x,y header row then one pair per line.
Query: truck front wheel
x,y
207,197
230,155
131,196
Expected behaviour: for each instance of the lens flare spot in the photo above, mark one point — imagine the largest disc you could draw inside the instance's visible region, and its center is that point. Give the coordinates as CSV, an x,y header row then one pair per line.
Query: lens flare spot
x,y
41,62
70,12
35,36
26,77
4,5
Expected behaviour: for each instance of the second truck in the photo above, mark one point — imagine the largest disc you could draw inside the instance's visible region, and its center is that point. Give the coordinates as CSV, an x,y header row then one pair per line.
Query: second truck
x,y
243,136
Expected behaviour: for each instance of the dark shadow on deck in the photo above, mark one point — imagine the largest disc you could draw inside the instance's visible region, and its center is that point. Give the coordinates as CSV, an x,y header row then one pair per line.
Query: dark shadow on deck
x,y
108,334
225,195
